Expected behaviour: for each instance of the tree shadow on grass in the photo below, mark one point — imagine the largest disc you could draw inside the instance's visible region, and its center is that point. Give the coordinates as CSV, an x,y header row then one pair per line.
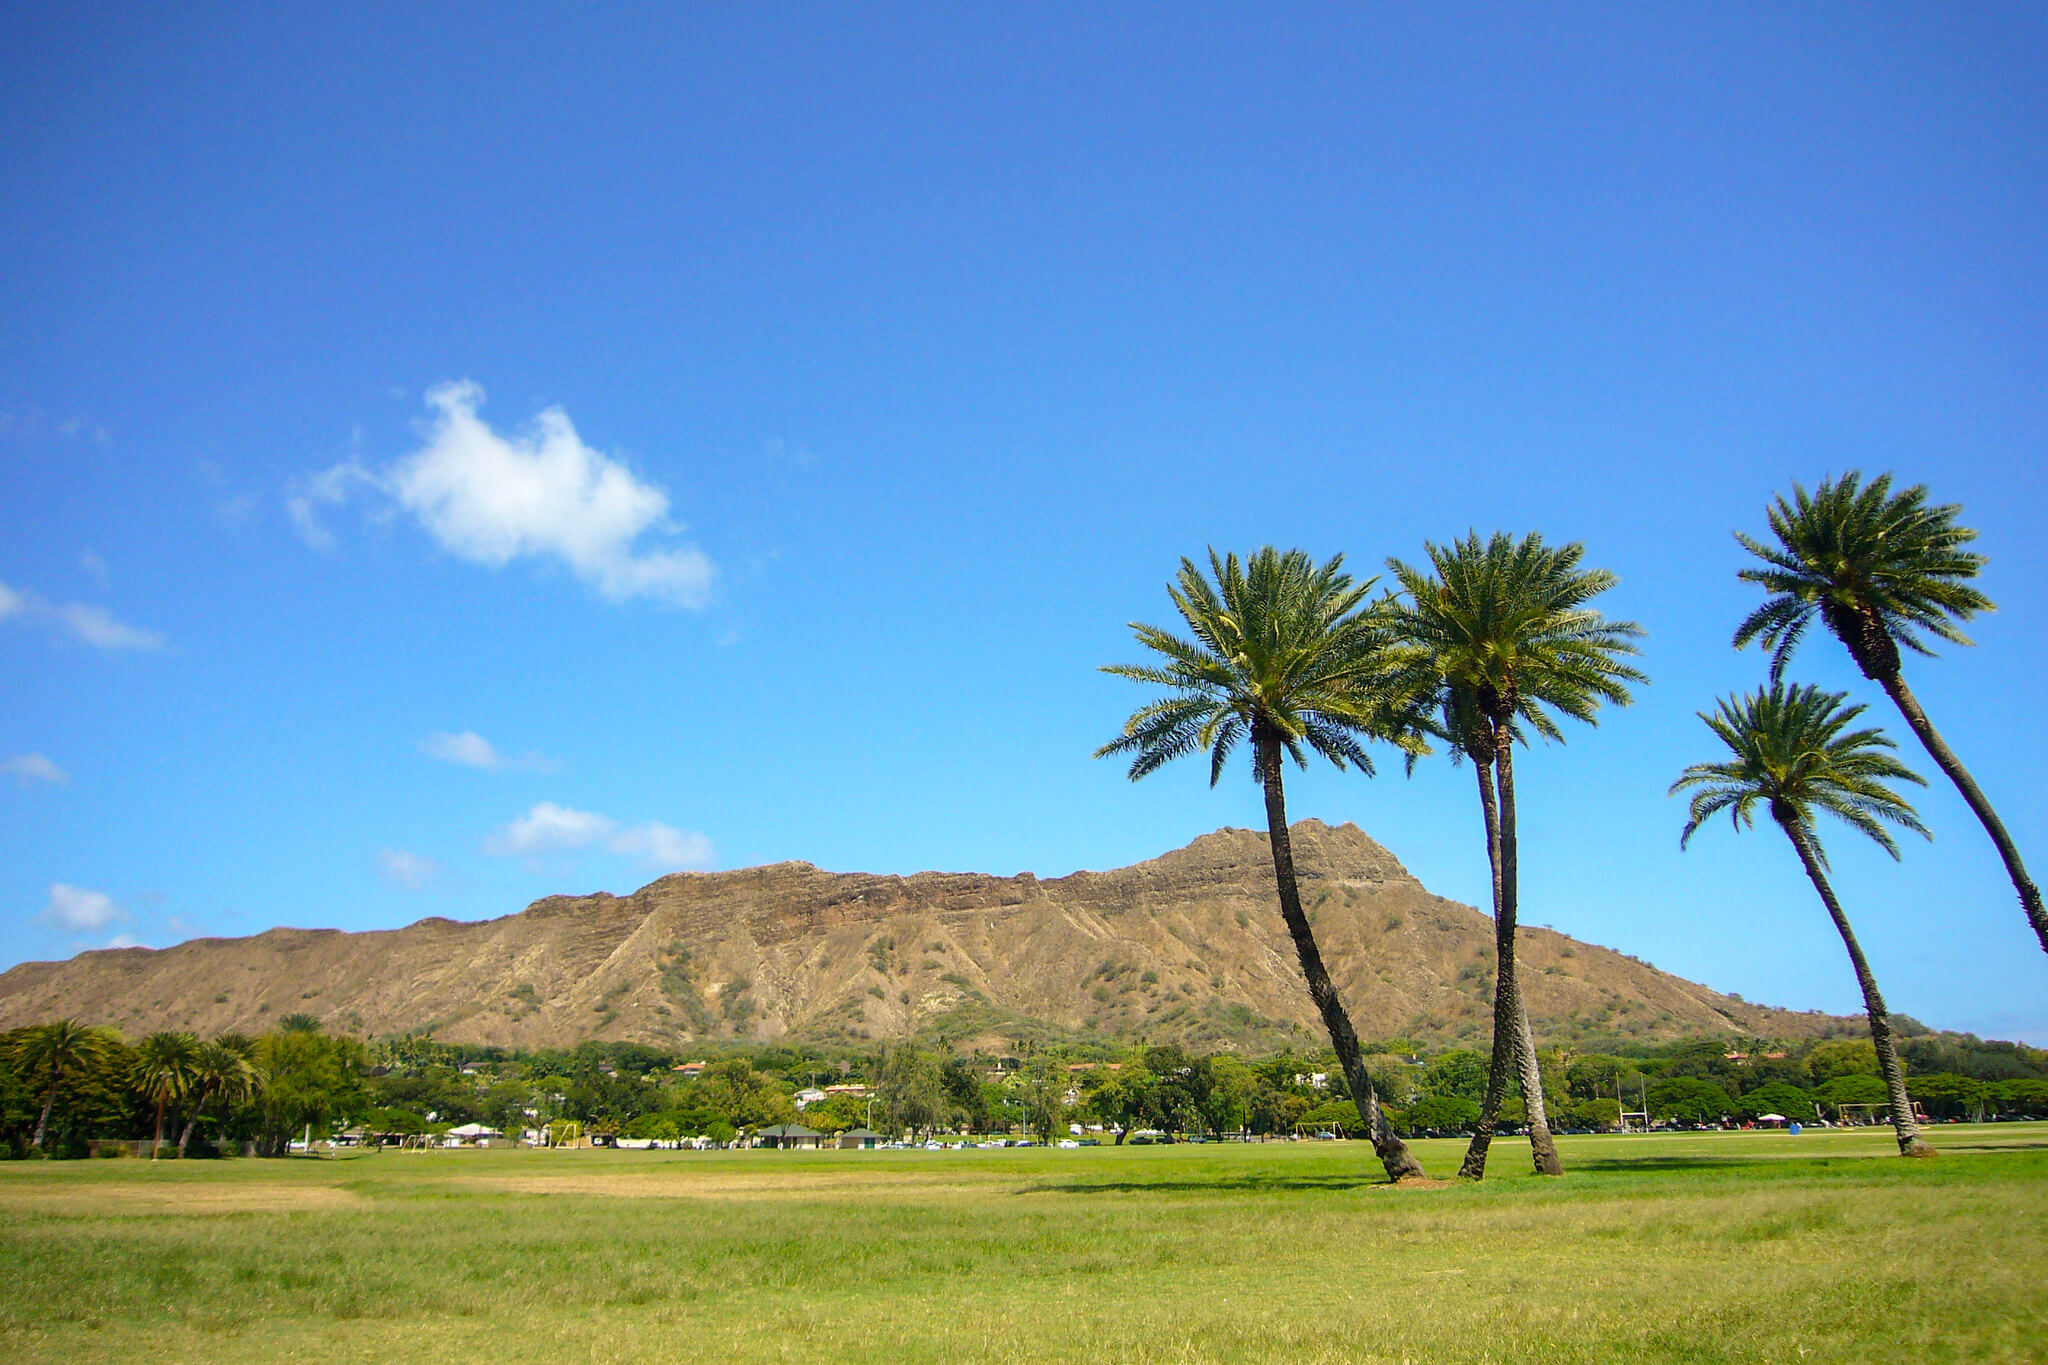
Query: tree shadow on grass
x,y
1242,1184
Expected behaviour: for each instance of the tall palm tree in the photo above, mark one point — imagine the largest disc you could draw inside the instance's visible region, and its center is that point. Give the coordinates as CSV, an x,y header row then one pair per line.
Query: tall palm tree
x,y
1879,569
1500,634
224,1073
1794,755
1284,655
54,1051
164,1067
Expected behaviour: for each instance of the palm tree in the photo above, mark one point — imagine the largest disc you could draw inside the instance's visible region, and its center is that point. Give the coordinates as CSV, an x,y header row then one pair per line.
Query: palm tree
x,y
1285,656
224,1073
56,1051
1879,569
1501,636
164,1069
1794,755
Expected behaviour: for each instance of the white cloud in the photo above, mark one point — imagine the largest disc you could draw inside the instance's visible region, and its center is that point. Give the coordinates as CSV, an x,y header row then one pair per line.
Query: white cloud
x,y
468,748
95,626
540,494
35,768
549,828
81,910
472,750
408,870
662,845
125,941
97,567
328,488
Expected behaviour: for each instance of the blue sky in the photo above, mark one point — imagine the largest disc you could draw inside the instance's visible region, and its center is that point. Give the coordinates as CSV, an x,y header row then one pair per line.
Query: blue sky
x,y
457,455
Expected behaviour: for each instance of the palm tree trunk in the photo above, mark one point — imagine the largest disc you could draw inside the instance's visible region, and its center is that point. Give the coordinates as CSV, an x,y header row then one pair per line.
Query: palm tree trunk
x,y
49,1102
1894,684
159,1140
1393,1152
192,1123
1474,1165
1910,1141
1542,1148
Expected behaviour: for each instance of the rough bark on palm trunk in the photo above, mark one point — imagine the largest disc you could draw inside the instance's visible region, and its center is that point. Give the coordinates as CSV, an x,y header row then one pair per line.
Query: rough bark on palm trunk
x,y
1513,1040
1474,1165
49,1103
1393,1153
1937,748
1910,1141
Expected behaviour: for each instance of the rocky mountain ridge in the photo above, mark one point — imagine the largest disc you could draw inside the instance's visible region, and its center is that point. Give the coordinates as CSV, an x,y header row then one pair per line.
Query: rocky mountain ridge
x,y
1187,947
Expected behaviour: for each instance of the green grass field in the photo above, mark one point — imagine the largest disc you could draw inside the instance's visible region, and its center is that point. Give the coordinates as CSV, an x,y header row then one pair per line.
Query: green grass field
x,y
1704,1247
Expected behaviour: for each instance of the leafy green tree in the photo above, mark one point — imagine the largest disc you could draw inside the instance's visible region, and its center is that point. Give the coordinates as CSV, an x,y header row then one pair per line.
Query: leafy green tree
x,y
312,1079
1689,1099
1879,569
1125,1100
1597,1114
165,1068
1043,1094
1776,1097
912,1088
1461,1072
1853,1088
744,1097
1841,1057
2024,1096
1433,1113
1945,1095
1287,657
1502,639
49,1053
1794,754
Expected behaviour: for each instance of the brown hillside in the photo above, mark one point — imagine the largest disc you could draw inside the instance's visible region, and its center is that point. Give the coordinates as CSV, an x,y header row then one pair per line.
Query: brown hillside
x,y
1187,947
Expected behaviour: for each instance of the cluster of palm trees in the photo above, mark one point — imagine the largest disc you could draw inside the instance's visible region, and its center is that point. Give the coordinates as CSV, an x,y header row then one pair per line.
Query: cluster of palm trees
x,y
168,1069
1496,640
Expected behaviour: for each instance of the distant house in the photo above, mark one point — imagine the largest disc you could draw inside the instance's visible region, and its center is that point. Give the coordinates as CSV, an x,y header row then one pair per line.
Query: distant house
x,y
862,1139
691,1070
809,1096
472,1134
1314,1080
788,1135
859,1092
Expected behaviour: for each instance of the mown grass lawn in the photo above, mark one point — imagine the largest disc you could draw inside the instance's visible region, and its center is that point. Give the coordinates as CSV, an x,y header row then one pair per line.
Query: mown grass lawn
x,y
1715,1247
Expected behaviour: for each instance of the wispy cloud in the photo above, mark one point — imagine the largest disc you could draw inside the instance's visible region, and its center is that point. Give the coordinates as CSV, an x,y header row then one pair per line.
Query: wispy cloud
x,y
93,625
549,828
472,750
408,870
28,768
80,909
541,494
91,562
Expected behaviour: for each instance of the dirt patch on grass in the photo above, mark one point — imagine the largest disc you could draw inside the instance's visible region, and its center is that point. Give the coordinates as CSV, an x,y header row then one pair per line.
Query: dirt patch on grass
x,y
729,1184
183,1197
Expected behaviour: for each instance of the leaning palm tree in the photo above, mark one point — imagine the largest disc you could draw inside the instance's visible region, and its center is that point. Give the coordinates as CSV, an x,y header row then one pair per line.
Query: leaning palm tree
x,y
1500,634
51,1052
1879,569
1286,656
165,1064
223,1073
1795,755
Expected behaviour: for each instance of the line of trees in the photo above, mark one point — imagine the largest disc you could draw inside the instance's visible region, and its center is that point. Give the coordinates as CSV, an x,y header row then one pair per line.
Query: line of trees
x,y
1497,640
61,1084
